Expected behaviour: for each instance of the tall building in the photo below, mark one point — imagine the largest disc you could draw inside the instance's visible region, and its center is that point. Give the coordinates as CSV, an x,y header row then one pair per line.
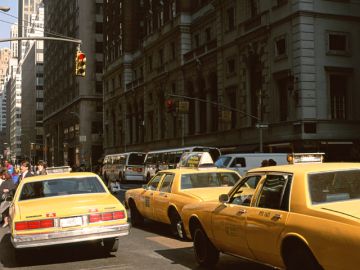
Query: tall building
x,y
32,139
255,75
26,8
13,100
4,64
72,104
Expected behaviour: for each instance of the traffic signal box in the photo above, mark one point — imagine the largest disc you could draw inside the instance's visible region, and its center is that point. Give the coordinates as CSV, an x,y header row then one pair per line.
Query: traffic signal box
x,y
80,64
170,105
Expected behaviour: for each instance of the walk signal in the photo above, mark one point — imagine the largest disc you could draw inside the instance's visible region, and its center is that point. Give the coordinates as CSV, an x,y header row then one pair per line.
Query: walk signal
x,y
80,64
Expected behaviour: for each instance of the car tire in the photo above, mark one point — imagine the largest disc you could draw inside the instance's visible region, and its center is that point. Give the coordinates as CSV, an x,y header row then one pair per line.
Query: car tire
x,y
177,227
111,244
299,256
135,217
206,254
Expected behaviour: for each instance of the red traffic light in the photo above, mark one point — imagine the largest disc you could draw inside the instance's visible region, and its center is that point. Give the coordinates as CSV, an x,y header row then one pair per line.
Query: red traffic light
x,y
81,56
170,105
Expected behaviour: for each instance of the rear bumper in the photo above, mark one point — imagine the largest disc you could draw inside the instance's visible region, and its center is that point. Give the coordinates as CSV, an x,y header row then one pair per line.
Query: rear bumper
x,y
73,236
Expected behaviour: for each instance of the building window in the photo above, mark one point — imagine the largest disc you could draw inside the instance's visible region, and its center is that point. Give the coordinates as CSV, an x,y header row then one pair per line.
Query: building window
x,y
208,34
231,67
338,43
196,40
230,19
98,28
161,57
173,52
338,96
280,47
150,64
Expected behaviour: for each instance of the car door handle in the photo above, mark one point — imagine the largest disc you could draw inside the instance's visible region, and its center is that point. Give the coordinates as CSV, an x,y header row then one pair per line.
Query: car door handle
x,y
241,211
276,217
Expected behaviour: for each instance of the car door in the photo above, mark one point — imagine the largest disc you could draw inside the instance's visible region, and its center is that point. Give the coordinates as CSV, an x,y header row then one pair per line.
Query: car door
x,y
229,219
163,197
147,196
266,220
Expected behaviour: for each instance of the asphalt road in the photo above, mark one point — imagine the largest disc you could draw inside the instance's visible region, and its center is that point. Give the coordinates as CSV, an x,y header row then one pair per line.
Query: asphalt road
x,y
148,247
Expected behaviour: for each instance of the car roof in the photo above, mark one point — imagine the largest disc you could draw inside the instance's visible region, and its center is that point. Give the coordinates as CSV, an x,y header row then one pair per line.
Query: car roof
x,y
55,176
200,170
309,167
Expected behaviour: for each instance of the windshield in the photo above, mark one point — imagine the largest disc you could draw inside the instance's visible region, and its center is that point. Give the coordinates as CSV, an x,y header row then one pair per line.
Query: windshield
x,y
136,159
59,187
209,179
334,186
223,162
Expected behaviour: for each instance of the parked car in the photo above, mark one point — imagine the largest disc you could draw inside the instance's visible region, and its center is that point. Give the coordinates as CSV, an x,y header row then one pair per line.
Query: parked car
x,y
66,208
302,216
163,198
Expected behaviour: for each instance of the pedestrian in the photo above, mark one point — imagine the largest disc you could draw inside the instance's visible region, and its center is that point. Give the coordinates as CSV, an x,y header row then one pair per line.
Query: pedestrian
x,y
264,163
6,190
41,168
272,162
25,169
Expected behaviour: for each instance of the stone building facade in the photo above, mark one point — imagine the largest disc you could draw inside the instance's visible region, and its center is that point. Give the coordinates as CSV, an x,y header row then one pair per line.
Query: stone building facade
x,y
72,104
258,75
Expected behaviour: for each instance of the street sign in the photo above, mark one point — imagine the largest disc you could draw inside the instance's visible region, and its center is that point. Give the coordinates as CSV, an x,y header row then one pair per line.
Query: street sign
x,y
262,125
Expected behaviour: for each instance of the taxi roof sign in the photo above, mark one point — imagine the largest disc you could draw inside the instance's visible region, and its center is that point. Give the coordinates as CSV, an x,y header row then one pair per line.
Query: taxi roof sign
x,y
296,158
195,159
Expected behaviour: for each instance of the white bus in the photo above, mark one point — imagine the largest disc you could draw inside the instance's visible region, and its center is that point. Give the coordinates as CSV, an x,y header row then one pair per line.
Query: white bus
x,y
123,167
168,158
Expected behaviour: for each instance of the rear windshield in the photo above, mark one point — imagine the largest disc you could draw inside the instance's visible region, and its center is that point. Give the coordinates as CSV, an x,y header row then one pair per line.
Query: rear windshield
x,y
222,162
136,159
59,187
334,186
201,180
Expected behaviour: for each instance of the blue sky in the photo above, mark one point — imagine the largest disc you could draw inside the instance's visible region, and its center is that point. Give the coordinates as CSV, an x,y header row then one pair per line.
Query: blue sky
x,y
6,21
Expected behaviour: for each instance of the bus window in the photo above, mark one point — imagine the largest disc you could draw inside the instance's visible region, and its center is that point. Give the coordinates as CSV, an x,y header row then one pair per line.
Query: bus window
x,y
136,159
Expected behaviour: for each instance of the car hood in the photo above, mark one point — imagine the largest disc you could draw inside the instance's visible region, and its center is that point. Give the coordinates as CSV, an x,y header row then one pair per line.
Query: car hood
x,y
348,208
207,194
71,205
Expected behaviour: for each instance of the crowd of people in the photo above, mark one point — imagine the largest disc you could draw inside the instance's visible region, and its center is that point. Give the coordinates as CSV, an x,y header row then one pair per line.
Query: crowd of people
x,y
10,177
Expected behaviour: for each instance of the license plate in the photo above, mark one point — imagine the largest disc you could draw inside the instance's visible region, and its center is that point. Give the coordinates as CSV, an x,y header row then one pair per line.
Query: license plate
x,y
70,222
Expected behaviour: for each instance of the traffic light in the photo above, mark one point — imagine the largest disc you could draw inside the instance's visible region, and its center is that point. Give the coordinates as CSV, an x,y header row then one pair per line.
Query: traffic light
x,y
80,64
170,105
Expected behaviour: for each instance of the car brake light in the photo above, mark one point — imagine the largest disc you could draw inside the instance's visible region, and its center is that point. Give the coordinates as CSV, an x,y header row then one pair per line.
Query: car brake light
x,y
106,216
94,218
34,224
19,226
119,215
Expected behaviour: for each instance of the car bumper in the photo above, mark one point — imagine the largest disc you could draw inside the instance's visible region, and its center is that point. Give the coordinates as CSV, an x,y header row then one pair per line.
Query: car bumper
x,y
73,236
129,177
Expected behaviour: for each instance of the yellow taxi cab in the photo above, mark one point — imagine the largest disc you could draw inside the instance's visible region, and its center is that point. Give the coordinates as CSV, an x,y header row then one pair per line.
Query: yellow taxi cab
x,y
169,190
302,216
66,208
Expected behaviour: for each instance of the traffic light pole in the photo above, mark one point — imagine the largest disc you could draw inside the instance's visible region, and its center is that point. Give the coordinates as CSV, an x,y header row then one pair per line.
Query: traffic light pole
x,y
73,40
259,125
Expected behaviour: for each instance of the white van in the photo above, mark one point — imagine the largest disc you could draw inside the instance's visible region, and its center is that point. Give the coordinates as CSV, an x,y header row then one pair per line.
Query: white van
x,y
242,162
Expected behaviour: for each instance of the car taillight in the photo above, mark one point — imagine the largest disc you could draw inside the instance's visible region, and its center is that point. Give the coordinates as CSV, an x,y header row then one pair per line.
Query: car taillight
x,y
119,215
94,218
106,216
34,224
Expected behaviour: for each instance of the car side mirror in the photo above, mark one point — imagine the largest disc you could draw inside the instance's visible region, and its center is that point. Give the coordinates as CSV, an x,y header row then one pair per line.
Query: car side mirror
x,y
224,198
144,187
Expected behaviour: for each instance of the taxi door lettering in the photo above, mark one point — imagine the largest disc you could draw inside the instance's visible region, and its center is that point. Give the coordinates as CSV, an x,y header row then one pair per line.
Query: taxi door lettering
x,y
264,214
147,201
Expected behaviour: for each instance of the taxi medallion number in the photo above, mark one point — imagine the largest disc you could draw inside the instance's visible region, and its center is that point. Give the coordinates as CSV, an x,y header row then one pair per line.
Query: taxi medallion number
x,y
70,222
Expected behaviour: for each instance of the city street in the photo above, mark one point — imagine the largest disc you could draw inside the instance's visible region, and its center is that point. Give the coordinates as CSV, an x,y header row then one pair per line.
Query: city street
x,y
150,247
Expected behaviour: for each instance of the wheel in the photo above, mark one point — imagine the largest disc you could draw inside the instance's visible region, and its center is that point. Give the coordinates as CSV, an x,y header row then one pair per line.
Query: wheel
x,y
299,257
177,227
205,252
135,217
111,244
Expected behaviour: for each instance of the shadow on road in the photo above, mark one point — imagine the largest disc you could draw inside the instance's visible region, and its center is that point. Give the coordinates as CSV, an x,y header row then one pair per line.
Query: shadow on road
x,y
49,255
185,257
